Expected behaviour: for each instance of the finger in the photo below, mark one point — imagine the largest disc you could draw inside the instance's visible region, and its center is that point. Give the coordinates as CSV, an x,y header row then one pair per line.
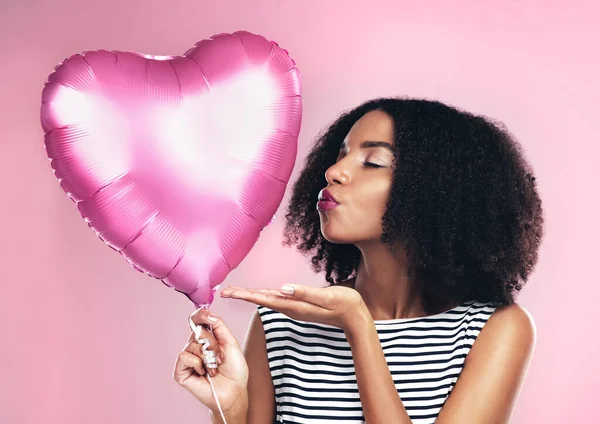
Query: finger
x,y
236,293
208,357
196,348
220,331
271,291
186,362
265,297
316,295
208,339
274,299
284,304
206,346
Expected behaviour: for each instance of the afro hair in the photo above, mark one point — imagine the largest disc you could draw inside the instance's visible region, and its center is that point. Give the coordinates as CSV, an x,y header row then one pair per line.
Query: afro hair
x,y
463,204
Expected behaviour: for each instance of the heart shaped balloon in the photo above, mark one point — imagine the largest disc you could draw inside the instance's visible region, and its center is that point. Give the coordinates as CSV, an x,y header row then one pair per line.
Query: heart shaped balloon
x,y
177,162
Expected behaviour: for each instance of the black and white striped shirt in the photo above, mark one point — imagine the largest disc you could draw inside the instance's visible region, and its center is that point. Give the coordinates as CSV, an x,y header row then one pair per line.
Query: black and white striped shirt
x,y
313,372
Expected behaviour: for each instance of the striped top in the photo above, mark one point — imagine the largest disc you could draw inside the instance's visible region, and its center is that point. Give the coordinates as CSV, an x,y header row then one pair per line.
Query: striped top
x,y
313,372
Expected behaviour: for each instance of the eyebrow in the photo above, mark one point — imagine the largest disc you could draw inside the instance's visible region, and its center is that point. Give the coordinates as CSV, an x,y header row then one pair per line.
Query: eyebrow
x,y
368,144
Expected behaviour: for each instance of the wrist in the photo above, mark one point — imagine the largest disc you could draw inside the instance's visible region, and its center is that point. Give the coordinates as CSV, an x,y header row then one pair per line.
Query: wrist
x,y
358,322
237,414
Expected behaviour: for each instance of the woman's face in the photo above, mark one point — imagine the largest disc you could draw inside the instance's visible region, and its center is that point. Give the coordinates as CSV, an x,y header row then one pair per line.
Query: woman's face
x,y
360,181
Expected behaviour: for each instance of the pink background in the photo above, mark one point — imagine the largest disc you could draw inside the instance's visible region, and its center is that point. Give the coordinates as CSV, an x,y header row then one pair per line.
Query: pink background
x,y
86,339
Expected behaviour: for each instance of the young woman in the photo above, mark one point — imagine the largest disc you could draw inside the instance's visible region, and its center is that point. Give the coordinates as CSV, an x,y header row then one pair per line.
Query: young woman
x,y
427,223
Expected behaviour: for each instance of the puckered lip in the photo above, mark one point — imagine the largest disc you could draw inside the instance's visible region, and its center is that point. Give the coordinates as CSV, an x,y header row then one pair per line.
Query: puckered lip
x,y
326,195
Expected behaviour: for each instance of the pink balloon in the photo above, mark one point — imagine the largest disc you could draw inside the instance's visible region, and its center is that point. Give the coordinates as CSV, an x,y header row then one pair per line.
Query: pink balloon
x,y
177,162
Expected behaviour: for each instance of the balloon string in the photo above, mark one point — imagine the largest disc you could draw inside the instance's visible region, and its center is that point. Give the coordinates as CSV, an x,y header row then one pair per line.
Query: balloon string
x,y
210,359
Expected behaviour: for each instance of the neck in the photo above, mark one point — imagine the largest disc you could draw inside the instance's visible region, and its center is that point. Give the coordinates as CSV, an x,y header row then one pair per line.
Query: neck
x,y
382,281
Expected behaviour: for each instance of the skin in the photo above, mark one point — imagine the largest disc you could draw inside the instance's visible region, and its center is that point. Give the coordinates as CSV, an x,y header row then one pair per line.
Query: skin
x,y
495,367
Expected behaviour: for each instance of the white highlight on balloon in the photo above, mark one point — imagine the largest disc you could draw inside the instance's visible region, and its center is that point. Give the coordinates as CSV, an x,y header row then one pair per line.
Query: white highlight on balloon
x,y
107,141
233,126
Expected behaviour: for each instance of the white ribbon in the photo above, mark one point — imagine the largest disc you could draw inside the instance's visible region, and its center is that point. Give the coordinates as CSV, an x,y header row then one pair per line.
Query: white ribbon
x,y
210,360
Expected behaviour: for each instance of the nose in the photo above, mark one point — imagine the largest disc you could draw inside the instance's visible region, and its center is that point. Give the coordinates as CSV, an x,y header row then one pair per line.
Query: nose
x,y
336,174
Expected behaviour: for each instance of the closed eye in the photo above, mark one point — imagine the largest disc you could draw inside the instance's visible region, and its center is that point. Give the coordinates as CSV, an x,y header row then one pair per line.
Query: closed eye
x,y
371,165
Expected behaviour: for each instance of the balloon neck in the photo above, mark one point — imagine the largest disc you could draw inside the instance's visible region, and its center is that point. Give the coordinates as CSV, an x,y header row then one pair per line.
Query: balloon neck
x,y
202,306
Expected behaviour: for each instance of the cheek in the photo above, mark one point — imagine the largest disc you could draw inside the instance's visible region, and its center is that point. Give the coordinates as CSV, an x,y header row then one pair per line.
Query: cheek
x,y
368,208
372,199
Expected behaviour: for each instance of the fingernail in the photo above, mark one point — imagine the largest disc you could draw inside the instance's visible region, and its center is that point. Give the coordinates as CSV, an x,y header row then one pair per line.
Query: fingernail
x,y
219,359
212,318
287,289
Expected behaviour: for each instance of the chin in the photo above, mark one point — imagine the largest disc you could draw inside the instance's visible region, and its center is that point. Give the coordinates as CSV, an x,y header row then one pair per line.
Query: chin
x,y
334,238
335,232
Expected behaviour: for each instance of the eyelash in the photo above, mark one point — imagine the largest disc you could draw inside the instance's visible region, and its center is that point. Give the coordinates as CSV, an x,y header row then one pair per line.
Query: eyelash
x,y
366,164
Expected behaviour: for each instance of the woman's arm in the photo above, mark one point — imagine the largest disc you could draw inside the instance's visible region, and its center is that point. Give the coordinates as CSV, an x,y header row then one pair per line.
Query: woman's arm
x,y
236,415
494,370
486,389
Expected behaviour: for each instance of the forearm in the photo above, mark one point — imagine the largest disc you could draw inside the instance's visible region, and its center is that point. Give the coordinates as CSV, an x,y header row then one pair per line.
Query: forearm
x,y
238,414
378,395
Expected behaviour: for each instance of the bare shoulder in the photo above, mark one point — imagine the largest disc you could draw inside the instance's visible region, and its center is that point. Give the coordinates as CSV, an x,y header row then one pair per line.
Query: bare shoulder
x,y
494,369
513,319
510,328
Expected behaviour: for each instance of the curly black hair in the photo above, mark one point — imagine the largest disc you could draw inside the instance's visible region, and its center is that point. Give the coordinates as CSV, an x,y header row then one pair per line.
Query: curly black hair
x,y
463,204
